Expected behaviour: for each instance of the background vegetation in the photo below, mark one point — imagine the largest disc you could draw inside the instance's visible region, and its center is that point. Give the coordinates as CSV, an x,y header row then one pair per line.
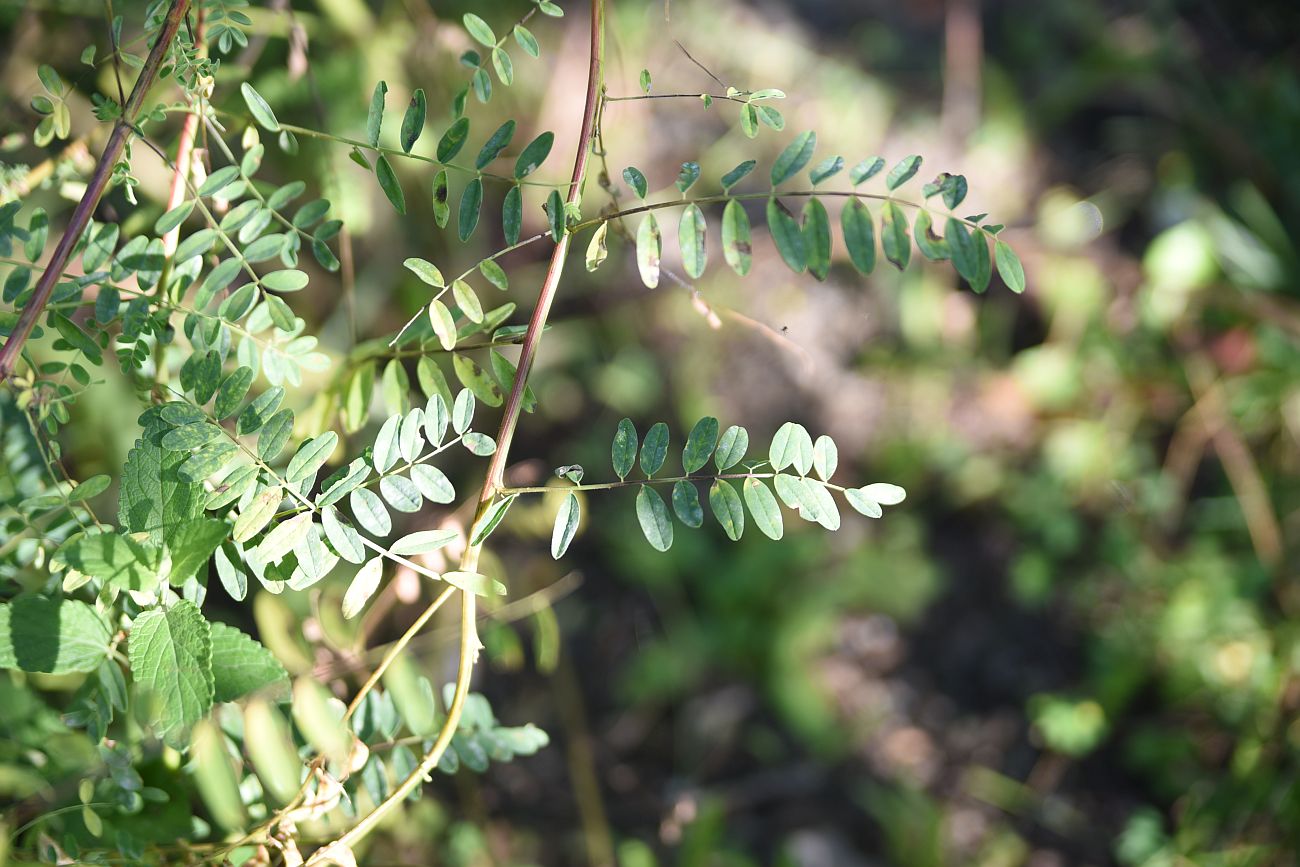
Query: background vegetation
x,y
1074,643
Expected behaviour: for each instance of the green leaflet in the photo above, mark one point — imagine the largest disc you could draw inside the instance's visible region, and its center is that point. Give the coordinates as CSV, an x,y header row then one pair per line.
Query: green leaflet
x,y
1009,267
375,116
859,235
363,586
596,249
370,513
477,380
232,391
388,183
467,301
470,203
171,655
251,520
440,194
893,236
691,232
731,448
311,455
566,525
736,175
118,560
652,514
727,508
737,248
401,493
654,449
794,157
504,66
453,140
479,29
494,273
686,504
865,170
555,215
636,180
825,457
345,540
54,636
496,143
413,121
241,666
424,541
930,244
764,508
817,238
700,444
787,235
533,155
623,452
512,215
826,169
902,172
965,257
443,324
791,445
489,522
649,250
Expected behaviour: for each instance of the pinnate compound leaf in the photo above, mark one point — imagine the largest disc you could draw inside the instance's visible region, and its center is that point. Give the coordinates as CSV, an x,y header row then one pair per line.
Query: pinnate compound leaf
x,y
241,665
51,636
170,652
653,516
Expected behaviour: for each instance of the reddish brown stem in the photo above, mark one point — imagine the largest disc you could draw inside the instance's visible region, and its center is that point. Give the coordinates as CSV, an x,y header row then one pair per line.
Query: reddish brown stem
x,y
94,192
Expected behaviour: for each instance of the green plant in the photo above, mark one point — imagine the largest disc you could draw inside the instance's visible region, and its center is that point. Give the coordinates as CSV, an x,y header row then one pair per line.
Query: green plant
x,y
117,607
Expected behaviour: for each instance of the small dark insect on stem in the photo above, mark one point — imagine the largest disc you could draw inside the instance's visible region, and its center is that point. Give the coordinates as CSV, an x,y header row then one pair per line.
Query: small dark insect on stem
x,y
95,189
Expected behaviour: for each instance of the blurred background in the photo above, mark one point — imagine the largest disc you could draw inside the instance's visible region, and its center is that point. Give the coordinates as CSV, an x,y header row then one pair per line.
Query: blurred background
x,y
1075,642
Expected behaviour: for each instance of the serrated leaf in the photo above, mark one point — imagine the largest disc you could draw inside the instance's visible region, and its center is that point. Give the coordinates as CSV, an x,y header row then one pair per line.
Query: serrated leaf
x,y
894,240
817,238
649,250
691,232
566,525
154,497
795,156
787,235
727,508
242,666
170,652
652,514
413,120
52,636
654,449
737,248
686,504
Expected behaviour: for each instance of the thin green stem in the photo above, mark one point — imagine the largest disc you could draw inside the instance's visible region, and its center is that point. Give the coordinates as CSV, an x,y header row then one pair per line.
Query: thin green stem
x,y
667,480
675,96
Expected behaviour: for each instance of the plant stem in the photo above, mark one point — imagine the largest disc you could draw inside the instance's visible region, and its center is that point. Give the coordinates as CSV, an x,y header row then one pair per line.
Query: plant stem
x,y
469,643
95,189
